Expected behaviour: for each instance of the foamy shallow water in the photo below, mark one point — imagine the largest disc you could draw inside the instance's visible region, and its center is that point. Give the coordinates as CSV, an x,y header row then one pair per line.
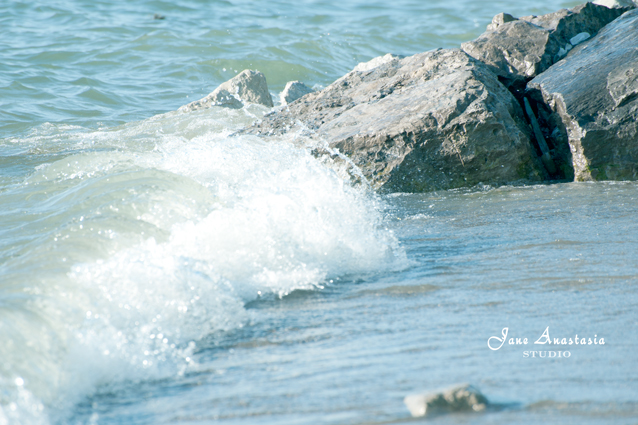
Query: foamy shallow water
x,y
131,254
154,268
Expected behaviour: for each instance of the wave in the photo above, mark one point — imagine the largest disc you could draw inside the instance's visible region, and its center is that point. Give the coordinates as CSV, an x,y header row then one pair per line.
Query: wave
x,y
125,247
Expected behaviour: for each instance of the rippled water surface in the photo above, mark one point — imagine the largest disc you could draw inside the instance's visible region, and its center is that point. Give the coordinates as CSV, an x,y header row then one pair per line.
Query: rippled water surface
x,y
103,63
155,269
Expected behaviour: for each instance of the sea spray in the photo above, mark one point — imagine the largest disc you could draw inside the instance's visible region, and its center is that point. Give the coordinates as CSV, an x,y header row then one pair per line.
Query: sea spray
x,y
147,237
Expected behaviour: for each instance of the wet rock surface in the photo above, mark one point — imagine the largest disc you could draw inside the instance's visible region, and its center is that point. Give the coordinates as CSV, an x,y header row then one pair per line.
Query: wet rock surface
x,y
592,101
436,120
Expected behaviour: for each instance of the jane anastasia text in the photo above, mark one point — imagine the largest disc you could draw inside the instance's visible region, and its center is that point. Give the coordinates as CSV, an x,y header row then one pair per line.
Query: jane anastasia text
x,y
495,342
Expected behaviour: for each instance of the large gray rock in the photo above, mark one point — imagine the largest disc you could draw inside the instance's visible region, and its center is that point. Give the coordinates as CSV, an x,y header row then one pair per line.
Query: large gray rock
x,y
248,86
460,398
593,97
519,50
435,120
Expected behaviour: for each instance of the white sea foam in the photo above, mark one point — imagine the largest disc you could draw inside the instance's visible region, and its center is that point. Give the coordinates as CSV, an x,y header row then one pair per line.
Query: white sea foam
x,y
152,236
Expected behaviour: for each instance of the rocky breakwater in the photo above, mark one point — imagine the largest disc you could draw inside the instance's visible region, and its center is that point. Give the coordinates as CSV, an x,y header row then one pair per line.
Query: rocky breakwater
x,y
435,120
538,98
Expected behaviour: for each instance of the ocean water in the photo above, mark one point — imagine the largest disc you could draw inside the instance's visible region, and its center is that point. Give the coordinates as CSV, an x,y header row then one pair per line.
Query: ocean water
x,y
156,269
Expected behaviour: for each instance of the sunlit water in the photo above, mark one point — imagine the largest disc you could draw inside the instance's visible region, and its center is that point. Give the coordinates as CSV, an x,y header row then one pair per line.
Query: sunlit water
x,y
156,269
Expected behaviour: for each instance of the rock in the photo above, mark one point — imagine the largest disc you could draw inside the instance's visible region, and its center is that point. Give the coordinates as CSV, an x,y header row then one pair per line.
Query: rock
x,y
499,20
460,398
293,91
516,50
615,3
248,86
435,120
521,49
592,99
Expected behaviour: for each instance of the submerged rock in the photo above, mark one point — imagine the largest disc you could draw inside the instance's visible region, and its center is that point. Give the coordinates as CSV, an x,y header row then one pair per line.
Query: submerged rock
x,y
293,91
460,398
248,86
519,50
435,120
593,96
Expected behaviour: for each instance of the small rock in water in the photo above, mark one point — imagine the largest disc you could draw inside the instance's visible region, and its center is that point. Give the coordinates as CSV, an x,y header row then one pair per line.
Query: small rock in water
x,y
293,91
248,86
460,398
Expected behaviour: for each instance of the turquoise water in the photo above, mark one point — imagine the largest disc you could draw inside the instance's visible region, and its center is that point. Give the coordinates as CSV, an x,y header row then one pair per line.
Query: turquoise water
x,y
154,269
105,63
